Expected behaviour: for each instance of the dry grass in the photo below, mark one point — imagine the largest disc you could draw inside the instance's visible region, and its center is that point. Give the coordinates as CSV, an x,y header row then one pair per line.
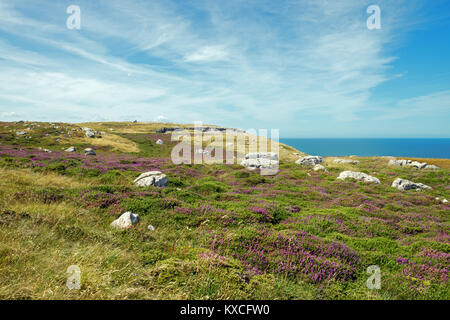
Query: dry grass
x,y
18,178
117,143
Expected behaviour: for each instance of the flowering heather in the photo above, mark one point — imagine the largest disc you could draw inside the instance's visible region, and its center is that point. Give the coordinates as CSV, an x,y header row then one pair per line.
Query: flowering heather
x,y
216,231
297,254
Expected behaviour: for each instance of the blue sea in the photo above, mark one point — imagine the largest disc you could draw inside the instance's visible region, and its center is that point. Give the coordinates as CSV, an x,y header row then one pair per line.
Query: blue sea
x,y
418,148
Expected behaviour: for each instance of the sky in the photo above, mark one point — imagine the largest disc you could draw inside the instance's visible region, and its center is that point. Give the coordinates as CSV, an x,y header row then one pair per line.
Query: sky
x,y
309,68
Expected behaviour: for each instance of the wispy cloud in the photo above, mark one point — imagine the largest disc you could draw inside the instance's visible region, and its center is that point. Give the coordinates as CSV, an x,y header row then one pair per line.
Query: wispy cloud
x,y
289,64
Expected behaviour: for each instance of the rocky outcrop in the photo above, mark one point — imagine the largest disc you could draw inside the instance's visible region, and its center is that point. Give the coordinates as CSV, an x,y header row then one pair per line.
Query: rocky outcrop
x,y
89,152
90,133
262,155
403,184
346,161
319,167
260,160
309,160
125,221
152,178
410,163
360,176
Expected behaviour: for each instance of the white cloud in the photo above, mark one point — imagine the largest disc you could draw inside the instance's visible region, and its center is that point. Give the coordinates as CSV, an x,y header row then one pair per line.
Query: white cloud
x,y
279,65
160,118
206,54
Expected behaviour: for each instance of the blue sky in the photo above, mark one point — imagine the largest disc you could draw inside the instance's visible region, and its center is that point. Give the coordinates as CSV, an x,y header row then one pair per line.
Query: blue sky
x,y
310,68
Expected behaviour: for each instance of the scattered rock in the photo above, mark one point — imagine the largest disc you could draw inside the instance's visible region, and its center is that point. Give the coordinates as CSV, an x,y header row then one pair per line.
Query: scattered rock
x,y
403,184
309,160
150,227
260,160
89,152
346,161
91,133
442,201
358,176
262,155
152,178
319,167
21,133
125,221
410,163
159,141
71,149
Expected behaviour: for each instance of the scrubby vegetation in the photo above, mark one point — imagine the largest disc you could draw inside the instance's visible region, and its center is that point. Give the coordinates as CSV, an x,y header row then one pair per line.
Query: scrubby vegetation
x,y
221,231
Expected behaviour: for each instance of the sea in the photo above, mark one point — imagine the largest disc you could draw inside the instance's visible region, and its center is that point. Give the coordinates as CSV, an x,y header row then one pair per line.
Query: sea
x,y
366,147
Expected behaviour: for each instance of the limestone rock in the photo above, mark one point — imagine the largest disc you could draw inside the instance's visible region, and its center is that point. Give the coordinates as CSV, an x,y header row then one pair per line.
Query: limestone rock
x,y
260,160
346,161
358,176
410,163
70,149
152,178
262,155
309,160
319,167
159,141
125,221
89,152
403,184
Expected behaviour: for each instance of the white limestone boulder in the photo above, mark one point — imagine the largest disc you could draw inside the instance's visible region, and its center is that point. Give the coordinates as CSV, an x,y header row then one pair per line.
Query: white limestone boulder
x,y
346,161
360,176
309,160
125,221
152,178
403,185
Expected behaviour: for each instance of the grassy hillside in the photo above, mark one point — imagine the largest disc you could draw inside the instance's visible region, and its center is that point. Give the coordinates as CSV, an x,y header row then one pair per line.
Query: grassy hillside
x,y
221,231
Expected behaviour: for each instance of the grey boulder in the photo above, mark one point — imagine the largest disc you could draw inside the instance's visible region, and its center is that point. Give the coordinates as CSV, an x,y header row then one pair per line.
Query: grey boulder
x,y
361,176
309,160
346,161
89,152
125,221
319,167
403,185
410,163
152,178
260,160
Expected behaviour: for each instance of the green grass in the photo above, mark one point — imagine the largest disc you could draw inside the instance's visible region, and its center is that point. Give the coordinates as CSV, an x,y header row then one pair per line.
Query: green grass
x,y
59,214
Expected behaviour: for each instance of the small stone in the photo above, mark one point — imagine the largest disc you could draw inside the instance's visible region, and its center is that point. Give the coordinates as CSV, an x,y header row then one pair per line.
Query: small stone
x,y
150,227
319,167
159,141
89,152
70,149
126,220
